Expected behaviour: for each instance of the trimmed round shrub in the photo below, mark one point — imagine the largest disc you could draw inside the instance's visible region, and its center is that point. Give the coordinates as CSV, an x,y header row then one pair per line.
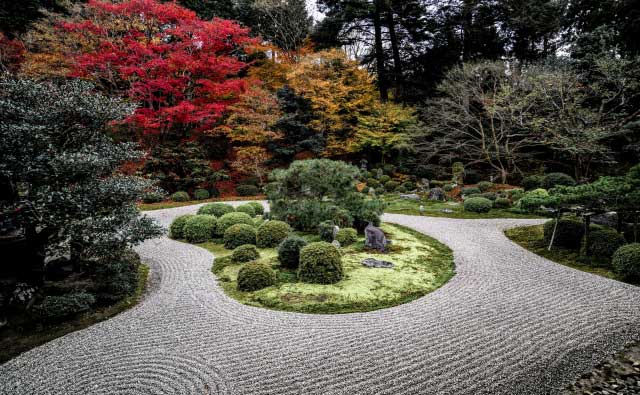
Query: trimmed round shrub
x,y
389,168
152,197
216,209
325,231
200,228
117,277
532,200
201,194
258,208
569,233
245,253
485,186
501,203
401,189
381,191
347,236
320,263
255,276
626,261
247,190
384,179
239,234
373,183
56,308
246,208
603,242
552,180
271,233
180,196
409,185
289,251
391,185
489,195
214,192
176,229
230,219
478,205
471,191
515,194
532,182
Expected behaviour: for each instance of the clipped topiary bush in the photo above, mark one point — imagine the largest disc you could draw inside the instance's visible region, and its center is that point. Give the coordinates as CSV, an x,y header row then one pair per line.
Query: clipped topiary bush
x,y
409,185
373,183
239,234
515,194
384,179
152,197
502,203
532,200
320,263
401,189
245,253
230,219
532,182
448,188
271,233
258,208
246,208
216,209
176,229
347,236
201,194
471,191
255,276
289,251
325,231
180,196
247,190
489,195
569,233
626,261
390,186
603,242
200,228
117,277
485,186
552,180
478,205
56,308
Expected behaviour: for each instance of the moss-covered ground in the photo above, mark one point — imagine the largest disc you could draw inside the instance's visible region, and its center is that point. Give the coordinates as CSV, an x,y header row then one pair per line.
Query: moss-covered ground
x,y
422,265
171,204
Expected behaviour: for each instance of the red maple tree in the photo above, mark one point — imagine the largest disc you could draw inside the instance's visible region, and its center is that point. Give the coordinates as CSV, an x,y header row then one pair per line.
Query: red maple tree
x,y
184,72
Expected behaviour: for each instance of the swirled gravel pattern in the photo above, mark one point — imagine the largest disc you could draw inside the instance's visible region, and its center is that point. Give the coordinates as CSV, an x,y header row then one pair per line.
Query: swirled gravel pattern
x,y
509,322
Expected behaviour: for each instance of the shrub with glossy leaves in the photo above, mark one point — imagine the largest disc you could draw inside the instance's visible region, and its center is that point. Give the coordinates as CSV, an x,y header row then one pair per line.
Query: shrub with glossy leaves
x,y
347,236
532,182
289,251
247,190
57,308
258,208
176,229
201,194
471,191
485,186
255,276
603,242
489,195
533,200
246,208
153,197
216,209
200,228
239,234
569,233
478,205
245,253
502,203
320,263
271,233
553,180
626,261
230,219
180,196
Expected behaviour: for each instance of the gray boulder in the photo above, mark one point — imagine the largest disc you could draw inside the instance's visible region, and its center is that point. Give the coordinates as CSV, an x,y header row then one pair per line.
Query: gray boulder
x,y
437,194
375,238
375,263
410,196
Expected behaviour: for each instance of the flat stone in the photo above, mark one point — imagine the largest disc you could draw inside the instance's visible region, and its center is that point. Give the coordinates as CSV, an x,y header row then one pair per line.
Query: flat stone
x,y
410,196
375,263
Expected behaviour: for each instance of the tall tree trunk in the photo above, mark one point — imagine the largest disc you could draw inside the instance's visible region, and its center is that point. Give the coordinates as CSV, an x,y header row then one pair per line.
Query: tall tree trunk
x,y
382,73
397,66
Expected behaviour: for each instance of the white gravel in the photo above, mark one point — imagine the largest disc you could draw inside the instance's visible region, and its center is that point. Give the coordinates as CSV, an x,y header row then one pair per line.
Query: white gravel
x,y
509,322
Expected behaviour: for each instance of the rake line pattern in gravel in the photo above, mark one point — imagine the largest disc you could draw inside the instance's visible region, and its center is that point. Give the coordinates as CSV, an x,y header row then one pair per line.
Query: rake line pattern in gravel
x,y
509,322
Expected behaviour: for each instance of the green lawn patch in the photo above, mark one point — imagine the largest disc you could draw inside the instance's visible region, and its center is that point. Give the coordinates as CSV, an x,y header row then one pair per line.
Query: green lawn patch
x,y
422,265
170,204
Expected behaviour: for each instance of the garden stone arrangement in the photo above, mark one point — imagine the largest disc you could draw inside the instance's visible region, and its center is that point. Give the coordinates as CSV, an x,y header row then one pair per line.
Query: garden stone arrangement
x,y
509,322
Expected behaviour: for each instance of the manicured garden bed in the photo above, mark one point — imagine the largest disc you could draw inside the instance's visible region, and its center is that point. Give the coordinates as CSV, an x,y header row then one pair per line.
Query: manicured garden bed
x,y
172,204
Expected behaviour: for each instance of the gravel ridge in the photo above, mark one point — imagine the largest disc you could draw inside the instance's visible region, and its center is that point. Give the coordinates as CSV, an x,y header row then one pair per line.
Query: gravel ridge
x,y
509,322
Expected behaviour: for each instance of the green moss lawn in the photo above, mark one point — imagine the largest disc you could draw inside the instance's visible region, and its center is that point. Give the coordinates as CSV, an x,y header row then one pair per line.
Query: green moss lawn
x,y
422,265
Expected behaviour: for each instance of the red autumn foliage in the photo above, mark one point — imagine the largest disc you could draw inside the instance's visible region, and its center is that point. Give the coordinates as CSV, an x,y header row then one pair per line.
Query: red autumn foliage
x,y
183,71
11,54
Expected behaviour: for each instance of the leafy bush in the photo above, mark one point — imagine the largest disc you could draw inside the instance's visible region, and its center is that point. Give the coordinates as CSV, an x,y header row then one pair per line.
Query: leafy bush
x,y
152,197
553,180
401,189
245,253
457,172
532,182
485,186
180,196
176,229
489,195
373,183
258,208
384,179
369,212
320,263
471,176
325,231
502,203
246,208
239,234
117,277
201,194
230,219
214,192
200,228
216,209
603,242
448,188
255,276
389,168
471,191
569,233
247,190
56,308
515,194
409,185
347,236
532,200
271,233
478,205
289,251
390,186
626,261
